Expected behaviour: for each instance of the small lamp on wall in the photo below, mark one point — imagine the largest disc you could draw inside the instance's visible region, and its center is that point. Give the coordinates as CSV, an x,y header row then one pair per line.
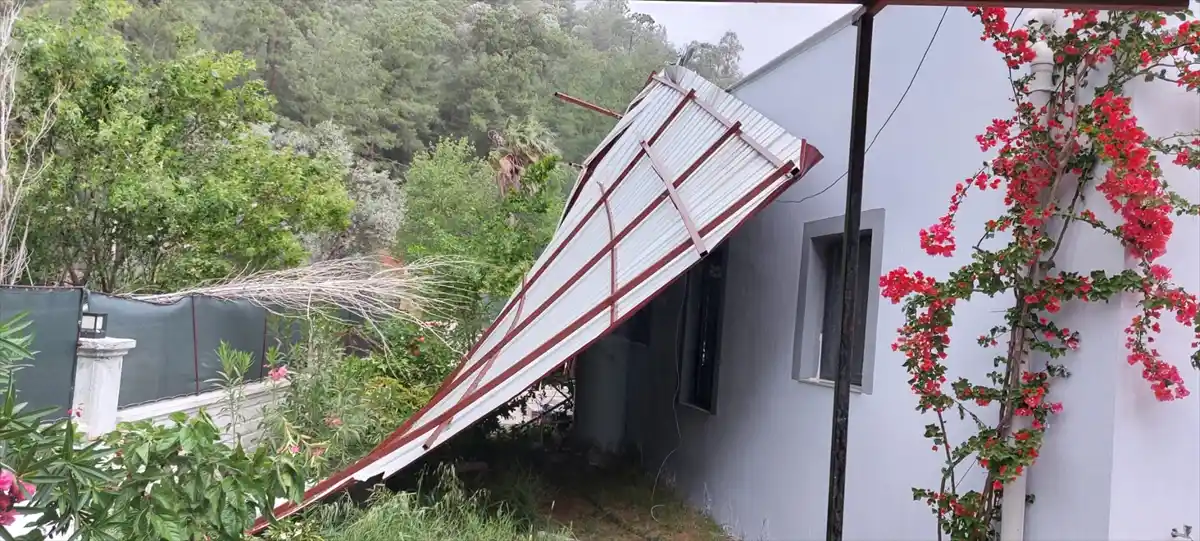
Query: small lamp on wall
x,y
93,325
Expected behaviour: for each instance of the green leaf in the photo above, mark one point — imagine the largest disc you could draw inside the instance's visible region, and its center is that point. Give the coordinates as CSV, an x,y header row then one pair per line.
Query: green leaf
x,y
143,452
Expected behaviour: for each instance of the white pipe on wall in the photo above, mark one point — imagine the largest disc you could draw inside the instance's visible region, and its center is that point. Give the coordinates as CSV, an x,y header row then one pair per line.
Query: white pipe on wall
x,y
1012,502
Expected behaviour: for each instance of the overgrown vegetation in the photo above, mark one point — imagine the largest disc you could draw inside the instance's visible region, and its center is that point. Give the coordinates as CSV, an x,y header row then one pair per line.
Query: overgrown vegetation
x,y
337,407
531,495
141,482
158,178
211,137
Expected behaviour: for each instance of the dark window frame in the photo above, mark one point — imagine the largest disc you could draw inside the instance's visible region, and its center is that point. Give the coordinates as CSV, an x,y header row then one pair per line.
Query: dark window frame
x,y
829,249
702,318
820,300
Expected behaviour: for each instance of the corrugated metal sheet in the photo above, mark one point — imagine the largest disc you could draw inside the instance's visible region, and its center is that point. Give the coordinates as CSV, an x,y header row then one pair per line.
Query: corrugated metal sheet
x,y
621,241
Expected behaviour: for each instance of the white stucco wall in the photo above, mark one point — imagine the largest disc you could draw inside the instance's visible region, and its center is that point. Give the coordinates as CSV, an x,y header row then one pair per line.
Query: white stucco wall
x,y
1156,447
1118,464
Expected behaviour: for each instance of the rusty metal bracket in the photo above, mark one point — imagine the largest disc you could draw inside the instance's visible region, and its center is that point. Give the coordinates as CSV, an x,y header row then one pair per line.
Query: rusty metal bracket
x,y
587,105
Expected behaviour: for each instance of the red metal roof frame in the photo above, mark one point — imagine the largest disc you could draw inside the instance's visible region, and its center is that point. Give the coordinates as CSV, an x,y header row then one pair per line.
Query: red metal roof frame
x,y
789,170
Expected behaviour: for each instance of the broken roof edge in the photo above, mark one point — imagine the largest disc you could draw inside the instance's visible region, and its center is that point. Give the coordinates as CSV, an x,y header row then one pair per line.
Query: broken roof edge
x,y
810,42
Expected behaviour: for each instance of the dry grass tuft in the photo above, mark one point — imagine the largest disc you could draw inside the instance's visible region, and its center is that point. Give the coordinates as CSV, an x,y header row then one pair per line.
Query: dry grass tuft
x,y
361,287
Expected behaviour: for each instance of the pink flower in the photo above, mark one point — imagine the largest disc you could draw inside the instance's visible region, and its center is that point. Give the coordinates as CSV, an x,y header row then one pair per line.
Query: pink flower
x,y
295,449
333,422
7,518
278,373
12,491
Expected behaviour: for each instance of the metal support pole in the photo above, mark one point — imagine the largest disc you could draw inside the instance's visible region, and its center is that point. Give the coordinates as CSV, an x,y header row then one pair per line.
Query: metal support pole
x,y
850,246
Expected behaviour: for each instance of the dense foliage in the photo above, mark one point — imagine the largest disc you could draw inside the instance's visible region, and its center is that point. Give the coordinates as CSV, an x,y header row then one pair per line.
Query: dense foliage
x,y
336,407
1071,157
400,74
329,409
141,482
158,178
196,138
453,210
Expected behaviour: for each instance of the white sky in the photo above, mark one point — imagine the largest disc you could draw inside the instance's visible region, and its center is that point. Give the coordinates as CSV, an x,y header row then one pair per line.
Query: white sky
x,y
765,30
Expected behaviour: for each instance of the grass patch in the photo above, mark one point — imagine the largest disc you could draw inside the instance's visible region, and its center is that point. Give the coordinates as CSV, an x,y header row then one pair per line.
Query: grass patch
x,y
555,498
512,488
447,512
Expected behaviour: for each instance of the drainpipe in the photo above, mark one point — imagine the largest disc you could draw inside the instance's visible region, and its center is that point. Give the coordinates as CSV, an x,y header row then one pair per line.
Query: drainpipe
x,y
1012,501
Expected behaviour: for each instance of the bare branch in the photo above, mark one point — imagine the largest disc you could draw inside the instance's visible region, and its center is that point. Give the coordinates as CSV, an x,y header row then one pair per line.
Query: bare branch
x,y
22,162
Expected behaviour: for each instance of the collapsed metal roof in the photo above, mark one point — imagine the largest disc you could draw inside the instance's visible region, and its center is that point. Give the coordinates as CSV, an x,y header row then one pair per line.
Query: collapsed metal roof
x,y
683,168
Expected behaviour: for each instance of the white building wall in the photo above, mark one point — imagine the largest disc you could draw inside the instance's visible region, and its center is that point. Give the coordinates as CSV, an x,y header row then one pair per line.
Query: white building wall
x,y
760,464
1156,446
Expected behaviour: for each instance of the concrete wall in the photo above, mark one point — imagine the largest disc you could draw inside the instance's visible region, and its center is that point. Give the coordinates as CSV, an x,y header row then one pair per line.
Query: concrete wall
x,y
258,399
1118,465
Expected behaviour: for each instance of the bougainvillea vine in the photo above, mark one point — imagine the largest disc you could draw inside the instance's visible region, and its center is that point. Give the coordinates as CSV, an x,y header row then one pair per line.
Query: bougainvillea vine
x,y
1068,137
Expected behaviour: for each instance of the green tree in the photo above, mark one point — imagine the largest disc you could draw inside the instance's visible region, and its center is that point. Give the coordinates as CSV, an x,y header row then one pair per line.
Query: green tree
x,y
160,179
453,209
716,62
378,200
400,74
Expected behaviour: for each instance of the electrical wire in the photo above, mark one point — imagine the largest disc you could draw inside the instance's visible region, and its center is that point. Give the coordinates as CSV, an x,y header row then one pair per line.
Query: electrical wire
x,y
680,329
890,115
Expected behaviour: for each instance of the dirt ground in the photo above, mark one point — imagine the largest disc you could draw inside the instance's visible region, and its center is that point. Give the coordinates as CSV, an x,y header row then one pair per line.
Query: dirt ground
x,y
559,491
626,509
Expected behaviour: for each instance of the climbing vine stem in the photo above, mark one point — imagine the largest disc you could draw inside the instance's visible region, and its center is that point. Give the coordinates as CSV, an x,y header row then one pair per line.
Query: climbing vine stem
x,y
1071,141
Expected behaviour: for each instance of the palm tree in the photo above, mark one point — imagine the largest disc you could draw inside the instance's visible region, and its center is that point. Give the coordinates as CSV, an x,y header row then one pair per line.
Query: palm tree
x,y
520,144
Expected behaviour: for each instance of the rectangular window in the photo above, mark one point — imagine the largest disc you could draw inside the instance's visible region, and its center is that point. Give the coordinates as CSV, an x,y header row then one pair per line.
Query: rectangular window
x,y
829,249
820,302
700,346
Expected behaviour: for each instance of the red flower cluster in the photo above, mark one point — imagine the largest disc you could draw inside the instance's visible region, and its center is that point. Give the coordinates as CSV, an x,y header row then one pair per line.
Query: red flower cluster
x,y
1013,44
1130,185
898,284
